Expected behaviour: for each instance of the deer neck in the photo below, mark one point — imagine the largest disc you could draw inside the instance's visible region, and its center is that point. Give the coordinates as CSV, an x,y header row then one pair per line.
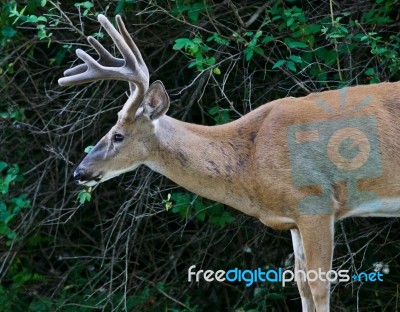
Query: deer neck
x,y
213,162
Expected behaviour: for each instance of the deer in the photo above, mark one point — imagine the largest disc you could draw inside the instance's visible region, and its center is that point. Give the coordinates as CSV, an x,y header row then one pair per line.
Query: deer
x,y
295,164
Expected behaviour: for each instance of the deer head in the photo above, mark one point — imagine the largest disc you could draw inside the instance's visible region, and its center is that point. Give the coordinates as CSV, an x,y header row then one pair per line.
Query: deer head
x,y
129,141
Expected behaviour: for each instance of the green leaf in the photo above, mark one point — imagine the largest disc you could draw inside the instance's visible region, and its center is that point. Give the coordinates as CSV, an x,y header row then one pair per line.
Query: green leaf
x,y
88,149
291,66
222,220
88,5
215,37
10,68
217,71
296,59
290,22
312,29
259,51
42,19
267,39
181,43
84,196
182,203
258,34
249,54
4,229
43,3
7,217
213,110
8,32
3,165
199,58
278,64
374,79
32,19
193,16
42,34
20,202
328,56
193,48
198,6
211,60
11,235
178,9
196,40
192,64
296,44
370,71
201,215
379,51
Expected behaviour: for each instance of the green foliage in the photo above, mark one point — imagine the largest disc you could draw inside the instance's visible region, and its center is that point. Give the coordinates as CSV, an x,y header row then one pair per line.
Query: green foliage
x,y
168,202
88,149
86,6
10,204
85,196
196,50
343,28
13,114
18,280
191,9
300,41
220,115
252,45
190,205
41,22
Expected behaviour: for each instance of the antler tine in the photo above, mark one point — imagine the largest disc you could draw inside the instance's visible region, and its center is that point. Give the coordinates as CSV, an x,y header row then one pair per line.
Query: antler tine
x,y
105,58
129,41
130,68
133,47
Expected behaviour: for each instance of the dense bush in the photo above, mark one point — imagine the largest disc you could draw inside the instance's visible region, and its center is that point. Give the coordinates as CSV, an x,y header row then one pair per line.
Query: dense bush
x,y
127,245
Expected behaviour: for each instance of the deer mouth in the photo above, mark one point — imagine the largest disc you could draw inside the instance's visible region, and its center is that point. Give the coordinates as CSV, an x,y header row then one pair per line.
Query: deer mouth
x,y
85,178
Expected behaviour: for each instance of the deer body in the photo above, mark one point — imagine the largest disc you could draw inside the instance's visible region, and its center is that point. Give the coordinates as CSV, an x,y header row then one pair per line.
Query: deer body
x,y
245,164
295,163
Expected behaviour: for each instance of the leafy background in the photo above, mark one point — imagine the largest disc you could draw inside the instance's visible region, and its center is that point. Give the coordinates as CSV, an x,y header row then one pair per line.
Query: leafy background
x,y
127,245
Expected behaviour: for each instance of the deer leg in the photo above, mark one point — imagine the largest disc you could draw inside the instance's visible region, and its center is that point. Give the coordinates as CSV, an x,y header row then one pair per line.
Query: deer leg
x,y
317,232
307,302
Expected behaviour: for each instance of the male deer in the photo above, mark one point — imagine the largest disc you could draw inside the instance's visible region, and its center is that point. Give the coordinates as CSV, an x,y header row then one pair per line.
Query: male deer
x,y
297,164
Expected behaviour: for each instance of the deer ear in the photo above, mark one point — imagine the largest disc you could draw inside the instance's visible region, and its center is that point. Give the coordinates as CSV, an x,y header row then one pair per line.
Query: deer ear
x,y
156,101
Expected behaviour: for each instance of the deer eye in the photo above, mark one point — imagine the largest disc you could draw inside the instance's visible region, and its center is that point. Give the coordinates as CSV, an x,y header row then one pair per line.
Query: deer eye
x,y
118,137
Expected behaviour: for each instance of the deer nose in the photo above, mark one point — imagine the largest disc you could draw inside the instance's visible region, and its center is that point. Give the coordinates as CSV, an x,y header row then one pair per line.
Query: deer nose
x,y
78,174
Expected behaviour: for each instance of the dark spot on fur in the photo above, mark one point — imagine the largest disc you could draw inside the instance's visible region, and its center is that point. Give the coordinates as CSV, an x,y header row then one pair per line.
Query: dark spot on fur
x,y
223,151
228,169
183,159
213,166
253,137
392,105
241,164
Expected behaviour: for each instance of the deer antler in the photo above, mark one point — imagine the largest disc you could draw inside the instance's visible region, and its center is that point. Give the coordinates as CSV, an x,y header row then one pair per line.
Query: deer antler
x,y
130,68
